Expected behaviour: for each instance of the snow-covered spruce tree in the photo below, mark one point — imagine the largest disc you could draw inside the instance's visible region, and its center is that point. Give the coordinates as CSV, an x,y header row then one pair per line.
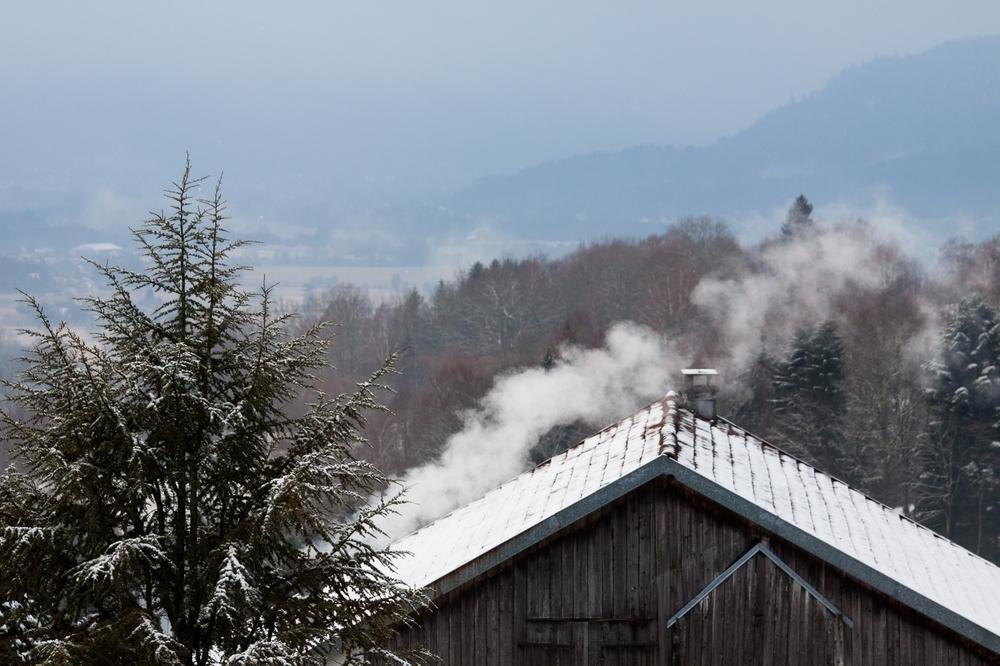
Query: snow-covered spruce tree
x,y
165,507
961,458
799,218
809,399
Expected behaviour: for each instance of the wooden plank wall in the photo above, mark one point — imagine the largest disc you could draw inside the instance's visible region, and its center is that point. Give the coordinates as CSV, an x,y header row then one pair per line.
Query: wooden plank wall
x,y
601,592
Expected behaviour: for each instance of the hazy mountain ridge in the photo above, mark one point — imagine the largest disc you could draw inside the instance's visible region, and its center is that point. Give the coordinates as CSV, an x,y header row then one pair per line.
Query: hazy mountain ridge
x,y
921,130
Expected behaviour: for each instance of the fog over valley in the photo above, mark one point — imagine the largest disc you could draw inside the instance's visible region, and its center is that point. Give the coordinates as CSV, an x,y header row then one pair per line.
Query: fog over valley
x,y
392,135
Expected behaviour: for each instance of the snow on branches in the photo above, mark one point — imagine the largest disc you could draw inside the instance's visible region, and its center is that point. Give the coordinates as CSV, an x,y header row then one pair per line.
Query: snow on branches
x,y
167,507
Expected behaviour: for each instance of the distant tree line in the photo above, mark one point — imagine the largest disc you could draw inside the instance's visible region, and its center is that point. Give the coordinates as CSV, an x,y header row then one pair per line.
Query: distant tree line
x,y
869,393
895,389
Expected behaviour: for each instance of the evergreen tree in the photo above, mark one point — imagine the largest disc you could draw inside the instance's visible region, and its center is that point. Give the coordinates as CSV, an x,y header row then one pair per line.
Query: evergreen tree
x,y
809,402
165,508
751,398
961,456
799,218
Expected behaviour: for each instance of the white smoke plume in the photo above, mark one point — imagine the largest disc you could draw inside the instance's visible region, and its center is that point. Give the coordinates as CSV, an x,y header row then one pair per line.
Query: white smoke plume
x,y
635,367
795,281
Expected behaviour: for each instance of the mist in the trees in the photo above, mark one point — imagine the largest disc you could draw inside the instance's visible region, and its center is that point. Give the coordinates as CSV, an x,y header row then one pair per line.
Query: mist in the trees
x,y
496,438
823,335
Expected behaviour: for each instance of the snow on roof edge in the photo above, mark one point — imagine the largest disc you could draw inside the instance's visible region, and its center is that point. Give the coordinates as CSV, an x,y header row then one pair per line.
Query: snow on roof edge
x,y
666,462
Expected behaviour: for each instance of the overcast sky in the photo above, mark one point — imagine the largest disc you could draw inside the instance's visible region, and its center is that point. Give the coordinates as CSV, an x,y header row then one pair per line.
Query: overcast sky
x,y
348,92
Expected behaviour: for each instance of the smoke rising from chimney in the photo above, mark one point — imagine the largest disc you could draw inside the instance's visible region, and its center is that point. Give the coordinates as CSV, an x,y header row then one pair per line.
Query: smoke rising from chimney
x,y
597,386
793,281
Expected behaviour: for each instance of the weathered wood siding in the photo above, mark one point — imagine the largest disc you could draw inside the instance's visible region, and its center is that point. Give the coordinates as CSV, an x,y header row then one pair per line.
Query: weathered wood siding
x,y
602,590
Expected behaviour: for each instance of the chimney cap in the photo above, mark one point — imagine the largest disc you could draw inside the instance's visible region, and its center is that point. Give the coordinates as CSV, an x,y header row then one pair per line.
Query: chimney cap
x,y
701,391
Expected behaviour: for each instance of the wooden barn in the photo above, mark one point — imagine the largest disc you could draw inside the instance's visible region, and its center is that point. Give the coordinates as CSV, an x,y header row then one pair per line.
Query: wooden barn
x,y
669,538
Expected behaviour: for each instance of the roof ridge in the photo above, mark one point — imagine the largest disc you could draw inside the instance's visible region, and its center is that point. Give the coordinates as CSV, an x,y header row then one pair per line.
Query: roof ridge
x,y
671,415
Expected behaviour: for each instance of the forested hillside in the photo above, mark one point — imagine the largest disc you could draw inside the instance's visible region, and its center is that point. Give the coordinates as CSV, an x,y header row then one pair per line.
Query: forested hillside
x,y
919,130
831,342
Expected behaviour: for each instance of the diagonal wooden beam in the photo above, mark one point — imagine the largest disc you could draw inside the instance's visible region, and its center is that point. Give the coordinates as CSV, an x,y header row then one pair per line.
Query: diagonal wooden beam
x,y
746,557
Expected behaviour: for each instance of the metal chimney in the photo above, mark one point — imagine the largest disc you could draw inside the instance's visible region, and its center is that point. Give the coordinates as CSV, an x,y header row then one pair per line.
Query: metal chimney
x,y
700,391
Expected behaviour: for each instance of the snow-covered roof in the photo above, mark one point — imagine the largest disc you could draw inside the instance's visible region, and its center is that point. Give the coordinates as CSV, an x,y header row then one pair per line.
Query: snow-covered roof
x,y
793,500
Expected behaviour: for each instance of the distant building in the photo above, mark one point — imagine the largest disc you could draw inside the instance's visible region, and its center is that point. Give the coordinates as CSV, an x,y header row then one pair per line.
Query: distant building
x,y
669,538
